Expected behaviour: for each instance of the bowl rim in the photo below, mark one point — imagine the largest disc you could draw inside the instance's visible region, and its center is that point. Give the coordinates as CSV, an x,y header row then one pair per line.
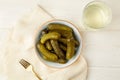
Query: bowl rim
x,y
58,20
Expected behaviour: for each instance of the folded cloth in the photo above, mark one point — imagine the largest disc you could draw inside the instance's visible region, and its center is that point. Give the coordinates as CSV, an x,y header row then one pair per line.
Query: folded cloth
x,y
21,46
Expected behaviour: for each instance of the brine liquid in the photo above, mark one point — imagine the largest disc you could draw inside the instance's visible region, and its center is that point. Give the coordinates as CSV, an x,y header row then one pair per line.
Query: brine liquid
x,y
96,16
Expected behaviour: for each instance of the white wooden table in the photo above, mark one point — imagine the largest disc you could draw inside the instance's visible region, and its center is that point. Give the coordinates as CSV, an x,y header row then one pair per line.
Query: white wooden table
x,y
101,48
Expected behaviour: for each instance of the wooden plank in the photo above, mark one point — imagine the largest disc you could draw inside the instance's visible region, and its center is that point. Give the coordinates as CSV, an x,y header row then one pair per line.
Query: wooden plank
x,y
103,74
102,38
102,48
102,55
12,10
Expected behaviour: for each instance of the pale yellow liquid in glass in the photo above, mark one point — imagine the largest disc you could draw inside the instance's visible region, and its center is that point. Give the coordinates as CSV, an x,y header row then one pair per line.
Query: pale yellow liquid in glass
x,y
96,16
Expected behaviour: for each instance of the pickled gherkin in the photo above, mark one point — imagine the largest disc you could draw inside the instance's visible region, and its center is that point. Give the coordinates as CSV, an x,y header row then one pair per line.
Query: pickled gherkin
x,y
64,41
57,43
70,49
44,57
57,49
57,26
62,61
51,35
63,47
46,53
64,34
48,45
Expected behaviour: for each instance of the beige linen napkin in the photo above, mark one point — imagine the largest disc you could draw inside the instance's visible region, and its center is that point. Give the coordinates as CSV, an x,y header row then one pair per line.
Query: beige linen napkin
x,y
21,46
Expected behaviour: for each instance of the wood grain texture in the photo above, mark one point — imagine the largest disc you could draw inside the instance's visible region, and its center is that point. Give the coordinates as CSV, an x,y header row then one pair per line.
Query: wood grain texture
x,y
12,10
104,74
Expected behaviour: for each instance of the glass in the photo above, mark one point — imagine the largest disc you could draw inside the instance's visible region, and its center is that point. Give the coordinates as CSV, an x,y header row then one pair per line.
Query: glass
x,y
96,15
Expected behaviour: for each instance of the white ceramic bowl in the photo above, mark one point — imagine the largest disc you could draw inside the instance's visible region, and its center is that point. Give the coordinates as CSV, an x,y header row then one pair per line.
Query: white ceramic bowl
x,y
77,35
